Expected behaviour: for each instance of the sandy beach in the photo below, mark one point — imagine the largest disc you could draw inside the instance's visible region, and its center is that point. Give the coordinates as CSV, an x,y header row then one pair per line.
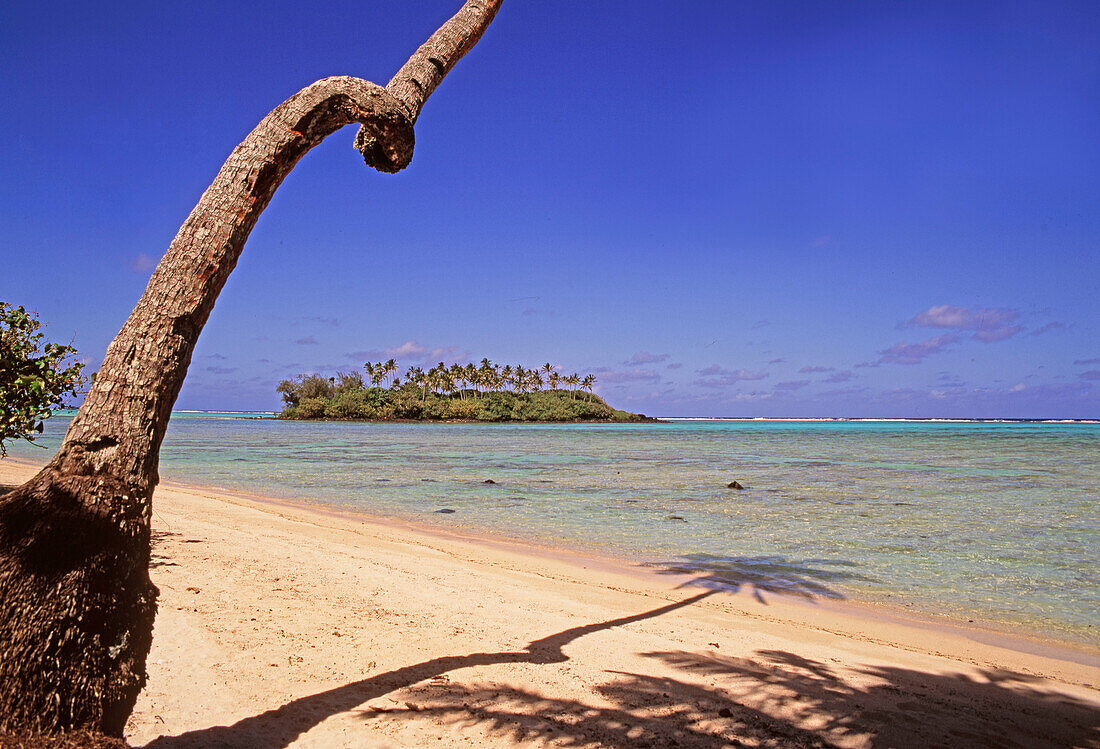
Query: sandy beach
x,y
287,625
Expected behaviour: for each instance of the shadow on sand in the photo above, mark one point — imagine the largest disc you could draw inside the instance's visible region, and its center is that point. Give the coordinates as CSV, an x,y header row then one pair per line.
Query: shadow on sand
x,y
776,699
157,540
279,727
702,699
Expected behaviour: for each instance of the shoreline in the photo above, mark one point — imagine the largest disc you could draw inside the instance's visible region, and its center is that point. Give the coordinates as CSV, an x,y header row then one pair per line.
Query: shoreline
x,y
643,419
1005,635
1029,637
285,623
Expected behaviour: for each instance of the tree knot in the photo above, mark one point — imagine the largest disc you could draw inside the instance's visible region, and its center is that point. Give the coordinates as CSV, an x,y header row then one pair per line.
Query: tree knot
x,y
386,141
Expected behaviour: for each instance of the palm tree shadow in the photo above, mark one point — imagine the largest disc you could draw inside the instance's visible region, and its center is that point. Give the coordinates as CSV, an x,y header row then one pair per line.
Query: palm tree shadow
x,y
809,579
894,706
776,698
281,726
637,711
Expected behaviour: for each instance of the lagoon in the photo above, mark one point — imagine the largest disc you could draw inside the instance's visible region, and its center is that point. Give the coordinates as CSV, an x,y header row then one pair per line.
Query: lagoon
x,y
992,522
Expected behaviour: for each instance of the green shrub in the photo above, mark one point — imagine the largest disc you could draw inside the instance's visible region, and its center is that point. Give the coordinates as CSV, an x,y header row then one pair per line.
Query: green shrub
x,y
36,377
349,404
458,409
311,408
406,404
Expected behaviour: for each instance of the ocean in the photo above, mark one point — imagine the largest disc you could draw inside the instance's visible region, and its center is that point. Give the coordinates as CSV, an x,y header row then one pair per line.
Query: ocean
x,y
995,523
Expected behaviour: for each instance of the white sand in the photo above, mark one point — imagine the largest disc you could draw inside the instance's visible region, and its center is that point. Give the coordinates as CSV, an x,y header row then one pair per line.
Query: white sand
x,y
283,625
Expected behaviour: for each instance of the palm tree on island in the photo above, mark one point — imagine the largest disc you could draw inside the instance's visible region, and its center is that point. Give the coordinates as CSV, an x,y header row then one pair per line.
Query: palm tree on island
x,y
587,383
448,392
573,381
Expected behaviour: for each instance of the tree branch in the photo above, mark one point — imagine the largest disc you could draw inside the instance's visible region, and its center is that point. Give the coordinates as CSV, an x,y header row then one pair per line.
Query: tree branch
x,y
76,602
419,77
128,407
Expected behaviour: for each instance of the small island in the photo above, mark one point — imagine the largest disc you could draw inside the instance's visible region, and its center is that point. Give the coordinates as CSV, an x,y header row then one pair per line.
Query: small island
x,y
469,392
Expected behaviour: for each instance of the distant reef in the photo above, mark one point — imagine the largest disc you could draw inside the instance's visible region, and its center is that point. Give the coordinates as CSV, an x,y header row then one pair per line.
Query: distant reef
x,y
347,398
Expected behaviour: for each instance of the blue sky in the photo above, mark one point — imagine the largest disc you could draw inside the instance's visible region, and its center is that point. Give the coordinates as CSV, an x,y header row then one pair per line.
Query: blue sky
x,y
719,208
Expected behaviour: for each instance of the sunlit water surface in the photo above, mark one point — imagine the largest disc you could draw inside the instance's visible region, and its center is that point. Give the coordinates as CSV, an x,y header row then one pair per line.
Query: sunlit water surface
x,y
992,522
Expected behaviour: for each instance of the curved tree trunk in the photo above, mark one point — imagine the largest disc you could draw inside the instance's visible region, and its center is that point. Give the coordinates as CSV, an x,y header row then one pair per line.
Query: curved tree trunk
x,y
76,602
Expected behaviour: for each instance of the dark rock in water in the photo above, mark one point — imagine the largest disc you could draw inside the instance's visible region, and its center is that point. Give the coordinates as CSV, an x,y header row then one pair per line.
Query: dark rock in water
x,y
676,517
734,485
445,511
488,481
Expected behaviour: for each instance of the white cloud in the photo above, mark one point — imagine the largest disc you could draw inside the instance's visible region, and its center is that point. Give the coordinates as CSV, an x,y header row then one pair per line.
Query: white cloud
x,y
914,353
993,335
411,351
142,263
715,376
1053,325
644,357
988,324
635,374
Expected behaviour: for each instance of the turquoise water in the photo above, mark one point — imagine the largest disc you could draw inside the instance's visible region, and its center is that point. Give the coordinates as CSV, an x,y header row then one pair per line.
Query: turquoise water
x,y
995,522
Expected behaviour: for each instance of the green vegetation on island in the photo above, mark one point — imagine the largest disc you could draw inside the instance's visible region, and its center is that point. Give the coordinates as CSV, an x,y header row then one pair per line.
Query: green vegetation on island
x,y
457,392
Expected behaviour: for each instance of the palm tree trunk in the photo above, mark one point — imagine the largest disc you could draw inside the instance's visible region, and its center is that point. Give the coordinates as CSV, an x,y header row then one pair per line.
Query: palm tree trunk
x,y
76,602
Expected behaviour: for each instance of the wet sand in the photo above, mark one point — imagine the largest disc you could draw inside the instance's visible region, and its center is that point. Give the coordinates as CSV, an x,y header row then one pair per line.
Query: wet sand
x,y
286,625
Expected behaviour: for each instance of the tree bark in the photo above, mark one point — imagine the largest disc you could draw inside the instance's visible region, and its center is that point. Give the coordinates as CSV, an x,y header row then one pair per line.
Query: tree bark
x,y
76,602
